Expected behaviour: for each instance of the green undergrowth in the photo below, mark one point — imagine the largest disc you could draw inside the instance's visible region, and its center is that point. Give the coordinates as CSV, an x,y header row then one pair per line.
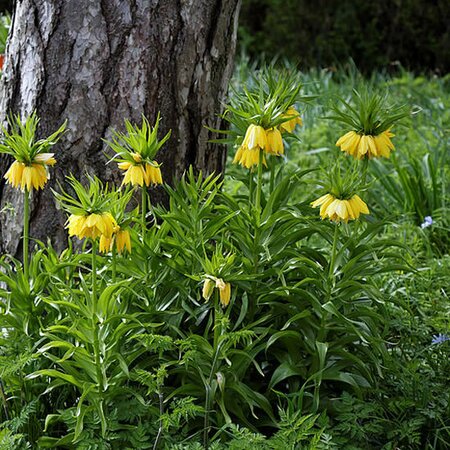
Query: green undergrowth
x,y
334,336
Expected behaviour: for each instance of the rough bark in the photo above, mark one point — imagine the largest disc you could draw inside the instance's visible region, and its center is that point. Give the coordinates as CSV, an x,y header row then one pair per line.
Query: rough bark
x,y
96,62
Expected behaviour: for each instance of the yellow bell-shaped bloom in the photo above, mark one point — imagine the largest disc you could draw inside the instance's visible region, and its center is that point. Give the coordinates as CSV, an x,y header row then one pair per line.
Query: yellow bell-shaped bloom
x,y
105,244
152,174
91,225
274,142
224,292
339,210
361,145
294,119
384,144
140,173
123,241
208,288
30,176
255,140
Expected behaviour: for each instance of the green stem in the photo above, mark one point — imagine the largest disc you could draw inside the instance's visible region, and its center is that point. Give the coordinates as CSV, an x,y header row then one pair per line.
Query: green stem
x,y
114,258
323,329
365,164
272,174
251,186
26,225
144,209
95,318
259,185
216,349
333,252
160,428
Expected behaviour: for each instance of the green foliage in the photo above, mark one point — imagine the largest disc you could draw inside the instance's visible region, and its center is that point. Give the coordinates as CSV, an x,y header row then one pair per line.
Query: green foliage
x,y
20,141
326,342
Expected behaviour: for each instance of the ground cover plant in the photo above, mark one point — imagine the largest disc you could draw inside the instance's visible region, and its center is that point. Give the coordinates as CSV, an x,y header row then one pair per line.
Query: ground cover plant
x,y
298,301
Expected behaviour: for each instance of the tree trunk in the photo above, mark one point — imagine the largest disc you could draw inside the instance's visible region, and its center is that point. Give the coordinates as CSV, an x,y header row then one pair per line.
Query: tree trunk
x,y
97,62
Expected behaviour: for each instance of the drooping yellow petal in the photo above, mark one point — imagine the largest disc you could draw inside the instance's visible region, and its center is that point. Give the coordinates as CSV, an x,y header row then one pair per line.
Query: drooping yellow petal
x,y
39,176
105,244
225,295
384,144
14,174
247,158
294,119
274,142
208,288
351,213
358,205
76,225
255,138
123,241
27,178
321,200
325,205
152,175
349,143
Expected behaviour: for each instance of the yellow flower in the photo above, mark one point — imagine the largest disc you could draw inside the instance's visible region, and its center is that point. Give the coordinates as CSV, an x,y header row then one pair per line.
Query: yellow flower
x,y
152,174
223,287
274,142
384,143
123,241
91,226
140,173
255,140
295,119
224,292
208,288
349,143
105,244
361,145
120,237
340,210
30,176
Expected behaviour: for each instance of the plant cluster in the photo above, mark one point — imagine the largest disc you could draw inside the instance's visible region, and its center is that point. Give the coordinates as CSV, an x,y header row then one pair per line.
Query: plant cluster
x,y
236,317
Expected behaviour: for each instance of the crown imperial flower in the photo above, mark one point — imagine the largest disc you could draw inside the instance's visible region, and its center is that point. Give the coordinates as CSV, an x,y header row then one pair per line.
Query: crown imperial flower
x,y
294,119
361,145
91,225
224,290
274,142
255,140
339,210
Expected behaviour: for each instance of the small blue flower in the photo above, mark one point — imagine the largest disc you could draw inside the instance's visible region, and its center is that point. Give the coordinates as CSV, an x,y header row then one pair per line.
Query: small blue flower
x,y
428,221
440,338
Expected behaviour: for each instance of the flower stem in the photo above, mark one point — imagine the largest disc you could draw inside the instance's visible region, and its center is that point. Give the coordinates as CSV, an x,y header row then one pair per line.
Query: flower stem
x,y
365,165
114,258
26,228
144,209
95,318
272,174
216,349
251,186
333,252
259,185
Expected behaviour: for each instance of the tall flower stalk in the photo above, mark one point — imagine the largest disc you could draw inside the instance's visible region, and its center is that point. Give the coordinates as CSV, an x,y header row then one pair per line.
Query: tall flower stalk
x,y
26,228
30,167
